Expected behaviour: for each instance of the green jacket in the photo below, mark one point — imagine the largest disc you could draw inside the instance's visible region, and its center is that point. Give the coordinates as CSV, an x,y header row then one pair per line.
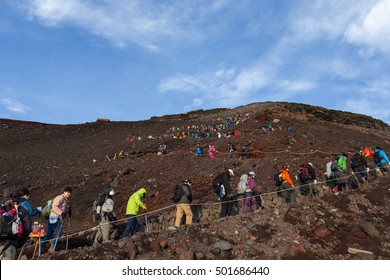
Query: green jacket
x,y
134,202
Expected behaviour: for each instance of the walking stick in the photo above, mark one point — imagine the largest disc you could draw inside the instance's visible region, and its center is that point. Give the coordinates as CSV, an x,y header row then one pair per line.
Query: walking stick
x,y
146,220
67,234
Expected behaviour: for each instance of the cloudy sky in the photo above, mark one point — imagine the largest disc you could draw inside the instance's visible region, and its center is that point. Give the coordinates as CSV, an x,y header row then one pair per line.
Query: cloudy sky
x,y
72,61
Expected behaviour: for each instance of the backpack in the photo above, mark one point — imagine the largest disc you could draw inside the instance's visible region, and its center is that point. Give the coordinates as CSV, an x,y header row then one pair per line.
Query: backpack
x,y
10,223
47,209
216,184
334,166
97,205
177,193
278,179
342,163
241,187
377,157
356,160
303,172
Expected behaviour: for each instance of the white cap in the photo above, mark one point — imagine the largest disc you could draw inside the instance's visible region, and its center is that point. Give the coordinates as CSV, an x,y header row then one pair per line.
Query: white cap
x,y
252,173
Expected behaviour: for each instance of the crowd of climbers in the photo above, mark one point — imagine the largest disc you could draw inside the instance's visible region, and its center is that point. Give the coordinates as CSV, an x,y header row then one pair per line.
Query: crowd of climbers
x,y
17,210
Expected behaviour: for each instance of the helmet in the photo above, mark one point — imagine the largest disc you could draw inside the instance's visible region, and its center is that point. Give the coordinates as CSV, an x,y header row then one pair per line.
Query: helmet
x,y
252,174
187,181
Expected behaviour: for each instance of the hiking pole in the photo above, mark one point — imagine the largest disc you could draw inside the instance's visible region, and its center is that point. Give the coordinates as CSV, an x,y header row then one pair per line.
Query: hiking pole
x,y
67,234
146,220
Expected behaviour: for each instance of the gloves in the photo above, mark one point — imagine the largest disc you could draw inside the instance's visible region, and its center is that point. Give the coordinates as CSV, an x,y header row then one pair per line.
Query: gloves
x,y
39,209
144,207
367,169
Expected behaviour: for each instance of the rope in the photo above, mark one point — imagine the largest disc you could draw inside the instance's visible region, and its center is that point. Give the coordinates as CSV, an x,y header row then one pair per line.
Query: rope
x,y
92,229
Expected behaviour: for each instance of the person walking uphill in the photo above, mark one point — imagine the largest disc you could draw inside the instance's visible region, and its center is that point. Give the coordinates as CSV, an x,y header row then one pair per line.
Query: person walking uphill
x,y
25,203
183,204
225,194
133,205
287,191
106,218
250,201
11,210
60,209
381,160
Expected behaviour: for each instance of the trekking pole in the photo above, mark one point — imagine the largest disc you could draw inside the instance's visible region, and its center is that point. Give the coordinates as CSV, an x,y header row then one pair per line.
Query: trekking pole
x,y
67,234
146,220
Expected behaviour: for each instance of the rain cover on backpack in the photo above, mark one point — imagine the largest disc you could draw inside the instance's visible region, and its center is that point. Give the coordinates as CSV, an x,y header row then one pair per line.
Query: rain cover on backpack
x,y
241,187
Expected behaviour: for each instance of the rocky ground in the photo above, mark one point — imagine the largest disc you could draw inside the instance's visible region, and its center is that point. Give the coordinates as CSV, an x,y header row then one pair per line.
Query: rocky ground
x,y
46,157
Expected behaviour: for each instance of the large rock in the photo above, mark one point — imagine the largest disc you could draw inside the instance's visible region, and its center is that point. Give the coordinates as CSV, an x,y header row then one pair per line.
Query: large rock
x,y
369,228
223,245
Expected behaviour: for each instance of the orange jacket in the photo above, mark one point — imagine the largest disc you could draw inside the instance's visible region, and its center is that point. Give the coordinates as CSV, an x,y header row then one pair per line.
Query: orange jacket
x,y
286,177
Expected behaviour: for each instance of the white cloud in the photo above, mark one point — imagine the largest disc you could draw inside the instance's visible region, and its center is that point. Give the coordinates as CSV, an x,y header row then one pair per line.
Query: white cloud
x,y
196,103
14,106
326,18
217,83
146,23
368,106
220,88
372,30
295,86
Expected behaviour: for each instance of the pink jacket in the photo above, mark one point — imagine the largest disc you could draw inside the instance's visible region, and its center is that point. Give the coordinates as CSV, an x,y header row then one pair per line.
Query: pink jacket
x,y
60,205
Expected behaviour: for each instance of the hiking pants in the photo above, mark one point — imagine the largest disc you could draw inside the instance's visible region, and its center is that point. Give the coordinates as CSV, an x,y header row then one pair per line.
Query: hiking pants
x,y
103,232
232,156
341,180
226,206
132,226
312,188
8,250
249,203
180,210
360,173
287,192
54,232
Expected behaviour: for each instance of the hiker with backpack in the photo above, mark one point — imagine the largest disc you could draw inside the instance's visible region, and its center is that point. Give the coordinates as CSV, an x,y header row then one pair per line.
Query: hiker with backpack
x,y
232,153
199,150
132,209
307,179
211,151
244,152
183,204
15,224
381,160
286,190
23,199
107,216
250,191
359,166
335,176
60,209
221,185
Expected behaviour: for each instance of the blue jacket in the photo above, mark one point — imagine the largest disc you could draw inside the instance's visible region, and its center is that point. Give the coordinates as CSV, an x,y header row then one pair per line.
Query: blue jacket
x,y
384,157
26,205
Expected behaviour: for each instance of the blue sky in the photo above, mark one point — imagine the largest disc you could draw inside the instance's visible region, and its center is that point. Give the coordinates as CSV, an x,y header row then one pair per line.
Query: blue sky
x,y
72,61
